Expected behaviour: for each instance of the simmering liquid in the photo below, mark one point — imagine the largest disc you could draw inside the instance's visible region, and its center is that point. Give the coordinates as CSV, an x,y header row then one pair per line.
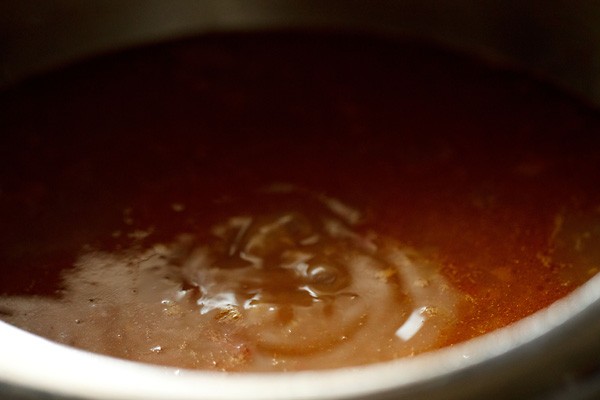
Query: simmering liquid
x,y
275,202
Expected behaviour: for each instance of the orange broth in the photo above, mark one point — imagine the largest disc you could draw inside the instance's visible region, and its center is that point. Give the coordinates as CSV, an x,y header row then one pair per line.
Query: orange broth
x,y
277,202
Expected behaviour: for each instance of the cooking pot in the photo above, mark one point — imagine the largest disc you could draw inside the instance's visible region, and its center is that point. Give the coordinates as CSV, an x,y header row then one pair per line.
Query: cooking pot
x,y
554,353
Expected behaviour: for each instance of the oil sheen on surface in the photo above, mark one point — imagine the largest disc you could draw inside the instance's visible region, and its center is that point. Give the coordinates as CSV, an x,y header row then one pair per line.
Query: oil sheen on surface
x,y
274,202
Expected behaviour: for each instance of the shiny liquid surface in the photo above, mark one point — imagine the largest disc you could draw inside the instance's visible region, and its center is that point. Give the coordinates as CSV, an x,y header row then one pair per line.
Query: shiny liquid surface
x,y
283,202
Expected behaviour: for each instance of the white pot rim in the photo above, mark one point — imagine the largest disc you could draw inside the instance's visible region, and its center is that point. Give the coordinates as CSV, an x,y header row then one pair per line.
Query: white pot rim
x,y
34,363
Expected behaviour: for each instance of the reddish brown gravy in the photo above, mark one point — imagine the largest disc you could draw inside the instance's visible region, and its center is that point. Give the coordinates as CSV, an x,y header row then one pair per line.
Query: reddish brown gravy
x,y
290,201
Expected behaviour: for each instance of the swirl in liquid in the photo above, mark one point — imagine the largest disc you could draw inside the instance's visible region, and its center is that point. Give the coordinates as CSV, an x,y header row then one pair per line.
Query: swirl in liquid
x,y
291,287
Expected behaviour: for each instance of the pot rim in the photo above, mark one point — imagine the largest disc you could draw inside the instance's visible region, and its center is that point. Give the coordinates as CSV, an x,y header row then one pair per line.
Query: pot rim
x,y
61,370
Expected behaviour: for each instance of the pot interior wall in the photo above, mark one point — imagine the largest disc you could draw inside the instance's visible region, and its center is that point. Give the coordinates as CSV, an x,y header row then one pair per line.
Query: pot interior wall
x,y
560,40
